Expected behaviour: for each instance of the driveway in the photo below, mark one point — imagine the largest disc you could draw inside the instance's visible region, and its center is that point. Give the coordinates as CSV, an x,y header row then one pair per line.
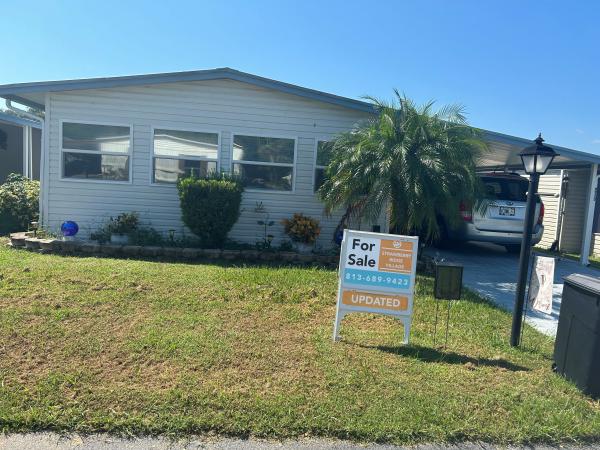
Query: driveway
x,y
492,272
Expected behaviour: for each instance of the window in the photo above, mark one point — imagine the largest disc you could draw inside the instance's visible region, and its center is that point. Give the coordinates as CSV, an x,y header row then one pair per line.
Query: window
x,y
96,152
183,153
321,162
264,162
504,189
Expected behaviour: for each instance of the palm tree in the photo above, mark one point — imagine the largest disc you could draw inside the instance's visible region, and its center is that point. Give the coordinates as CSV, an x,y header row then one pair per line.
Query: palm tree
x,y
417,163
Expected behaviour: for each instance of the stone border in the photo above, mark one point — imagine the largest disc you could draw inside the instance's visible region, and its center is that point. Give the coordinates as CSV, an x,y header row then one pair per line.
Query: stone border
x,y
90,248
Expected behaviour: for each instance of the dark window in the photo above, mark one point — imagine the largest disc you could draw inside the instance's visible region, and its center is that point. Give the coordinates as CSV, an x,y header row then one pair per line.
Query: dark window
x,y
95,152
505,189
89,166
264,162
265,177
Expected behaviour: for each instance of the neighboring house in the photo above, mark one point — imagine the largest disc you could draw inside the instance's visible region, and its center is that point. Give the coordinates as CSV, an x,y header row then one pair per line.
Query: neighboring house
x,y
113,145
20,146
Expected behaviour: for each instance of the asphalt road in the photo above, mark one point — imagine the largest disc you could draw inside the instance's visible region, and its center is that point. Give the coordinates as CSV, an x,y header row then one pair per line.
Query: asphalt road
x,y
52,441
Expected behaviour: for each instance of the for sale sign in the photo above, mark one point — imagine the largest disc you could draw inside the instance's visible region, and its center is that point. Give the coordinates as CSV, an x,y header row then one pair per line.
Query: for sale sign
x,y
377,275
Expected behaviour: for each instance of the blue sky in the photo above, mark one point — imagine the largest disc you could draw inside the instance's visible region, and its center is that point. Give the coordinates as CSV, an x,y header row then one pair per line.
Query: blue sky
x,y
519,67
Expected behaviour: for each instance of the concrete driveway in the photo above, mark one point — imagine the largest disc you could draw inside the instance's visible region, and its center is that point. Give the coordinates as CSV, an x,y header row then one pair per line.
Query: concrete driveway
x,y
492,272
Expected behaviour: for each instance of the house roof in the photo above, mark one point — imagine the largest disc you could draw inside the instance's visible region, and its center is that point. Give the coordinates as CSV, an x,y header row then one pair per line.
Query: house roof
x,y
32,94
504,149
19,121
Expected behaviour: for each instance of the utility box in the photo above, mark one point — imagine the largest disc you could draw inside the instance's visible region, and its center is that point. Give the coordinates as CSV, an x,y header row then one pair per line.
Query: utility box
x,y
577,345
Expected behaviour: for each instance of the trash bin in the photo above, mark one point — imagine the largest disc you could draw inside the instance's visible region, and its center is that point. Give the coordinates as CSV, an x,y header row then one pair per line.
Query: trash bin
x,y
577,345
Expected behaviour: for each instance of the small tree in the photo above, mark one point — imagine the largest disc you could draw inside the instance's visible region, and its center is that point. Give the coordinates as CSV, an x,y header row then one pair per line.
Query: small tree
x,y
210,206
417,162
19,203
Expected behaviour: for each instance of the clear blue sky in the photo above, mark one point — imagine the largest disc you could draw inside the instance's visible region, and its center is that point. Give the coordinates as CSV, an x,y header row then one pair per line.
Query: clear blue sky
x,y
519,67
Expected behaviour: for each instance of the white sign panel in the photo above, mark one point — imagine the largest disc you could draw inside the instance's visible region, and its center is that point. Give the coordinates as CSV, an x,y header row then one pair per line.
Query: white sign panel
x,y
542,281
377,275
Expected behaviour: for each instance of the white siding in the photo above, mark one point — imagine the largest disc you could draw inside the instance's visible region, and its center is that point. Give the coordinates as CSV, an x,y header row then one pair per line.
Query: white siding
x,y
549,190
223,106
575,205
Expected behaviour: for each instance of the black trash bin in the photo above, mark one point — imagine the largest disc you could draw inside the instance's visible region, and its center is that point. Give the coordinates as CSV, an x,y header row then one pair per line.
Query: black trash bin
x,y
577,346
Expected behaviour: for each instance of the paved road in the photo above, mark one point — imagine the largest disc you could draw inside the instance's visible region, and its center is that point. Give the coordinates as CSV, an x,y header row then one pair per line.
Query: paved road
x,y
47,441
492,272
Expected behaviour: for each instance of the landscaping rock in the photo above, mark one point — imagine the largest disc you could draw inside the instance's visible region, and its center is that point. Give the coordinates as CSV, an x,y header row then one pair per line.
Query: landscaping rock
x,y
131,250
151,251
231,254
288,256
32,244
18,239
173,252
190,253
110,249
90,248
250,255
211,253
47,245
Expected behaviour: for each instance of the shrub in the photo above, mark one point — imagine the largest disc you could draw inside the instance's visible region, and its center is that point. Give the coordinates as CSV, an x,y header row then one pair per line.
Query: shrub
x,y
19,203
147,236
210,206
125,223
301,228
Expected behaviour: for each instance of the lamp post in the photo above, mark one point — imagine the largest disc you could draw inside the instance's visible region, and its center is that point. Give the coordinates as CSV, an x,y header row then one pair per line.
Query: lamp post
x,y
536,160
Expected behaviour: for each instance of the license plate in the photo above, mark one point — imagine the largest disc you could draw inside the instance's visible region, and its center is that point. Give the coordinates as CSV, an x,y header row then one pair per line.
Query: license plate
x,y
506,211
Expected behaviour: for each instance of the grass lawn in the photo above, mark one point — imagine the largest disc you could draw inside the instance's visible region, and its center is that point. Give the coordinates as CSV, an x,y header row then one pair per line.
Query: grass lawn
x,y
92,344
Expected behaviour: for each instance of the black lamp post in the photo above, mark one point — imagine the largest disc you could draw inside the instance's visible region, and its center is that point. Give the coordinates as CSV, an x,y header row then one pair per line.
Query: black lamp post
x,y
536,160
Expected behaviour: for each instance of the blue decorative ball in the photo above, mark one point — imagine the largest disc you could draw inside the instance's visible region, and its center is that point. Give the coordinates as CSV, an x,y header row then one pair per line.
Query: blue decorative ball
x,y
69,228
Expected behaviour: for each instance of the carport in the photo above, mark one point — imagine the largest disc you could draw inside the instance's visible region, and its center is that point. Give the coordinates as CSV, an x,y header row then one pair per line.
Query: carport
x,y
504,155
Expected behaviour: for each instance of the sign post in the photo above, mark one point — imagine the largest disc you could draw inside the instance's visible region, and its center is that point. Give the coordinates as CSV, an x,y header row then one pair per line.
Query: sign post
x,y
376,275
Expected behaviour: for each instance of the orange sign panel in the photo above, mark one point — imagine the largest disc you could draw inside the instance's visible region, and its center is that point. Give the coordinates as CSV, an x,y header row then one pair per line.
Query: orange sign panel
x,y
396,256
373,300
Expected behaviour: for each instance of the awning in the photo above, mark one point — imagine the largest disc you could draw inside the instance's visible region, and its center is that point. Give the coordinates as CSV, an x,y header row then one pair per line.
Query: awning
x,y
504,154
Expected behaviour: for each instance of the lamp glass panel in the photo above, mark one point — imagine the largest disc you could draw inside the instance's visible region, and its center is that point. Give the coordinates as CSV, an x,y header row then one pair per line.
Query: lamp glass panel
x,y
543,162
529,163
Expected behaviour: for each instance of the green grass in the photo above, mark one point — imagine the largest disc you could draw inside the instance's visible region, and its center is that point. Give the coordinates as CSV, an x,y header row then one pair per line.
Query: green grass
x,y
141,347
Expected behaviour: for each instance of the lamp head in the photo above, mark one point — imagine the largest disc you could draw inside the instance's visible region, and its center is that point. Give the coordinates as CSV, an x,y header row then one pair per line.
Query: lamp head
x,y
538,157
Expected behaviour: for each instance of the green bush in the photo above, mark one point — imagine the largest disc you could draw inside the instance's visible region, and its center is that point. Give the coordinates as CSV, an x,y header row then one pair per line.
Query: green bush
x,y
19,203
210,206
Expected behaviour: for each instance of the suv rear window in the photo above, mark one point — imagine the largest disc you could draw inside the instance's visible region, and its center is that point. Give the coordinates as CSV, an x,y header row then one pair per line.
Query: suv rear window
x,y
504,189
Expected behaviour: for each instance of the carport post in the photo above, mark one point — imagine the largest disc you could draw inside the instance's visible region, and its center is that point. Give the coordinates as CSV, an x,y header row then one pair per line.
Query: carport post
x,y
586,242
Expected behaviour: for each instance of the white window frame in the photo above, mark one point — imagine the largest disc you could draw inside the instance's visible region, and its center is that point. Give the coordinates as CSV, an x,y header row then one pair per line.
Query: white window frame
x,y
92,152
315,165
186,157
259,163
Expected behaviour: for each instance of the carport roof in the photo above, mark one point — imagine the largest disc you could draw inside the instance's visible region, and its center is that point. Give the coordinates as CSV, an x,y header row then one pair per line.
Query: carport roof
x,y
503,153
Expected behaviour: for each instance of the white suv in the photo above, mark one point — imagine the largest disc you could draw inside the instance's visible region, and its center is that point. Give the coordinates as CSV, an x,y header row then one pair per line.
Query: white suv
x,y
503,220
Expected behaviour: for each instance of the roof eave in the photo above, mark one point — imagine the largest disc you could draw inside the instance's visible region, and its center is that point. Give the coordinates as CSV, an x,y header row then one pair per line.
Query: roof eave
x,y
173,77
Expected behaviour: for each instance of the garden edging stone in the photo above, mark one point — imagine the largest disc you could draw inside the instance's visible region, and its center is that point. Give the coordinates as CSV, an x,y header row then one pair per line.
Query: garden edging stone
x,y
90,248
